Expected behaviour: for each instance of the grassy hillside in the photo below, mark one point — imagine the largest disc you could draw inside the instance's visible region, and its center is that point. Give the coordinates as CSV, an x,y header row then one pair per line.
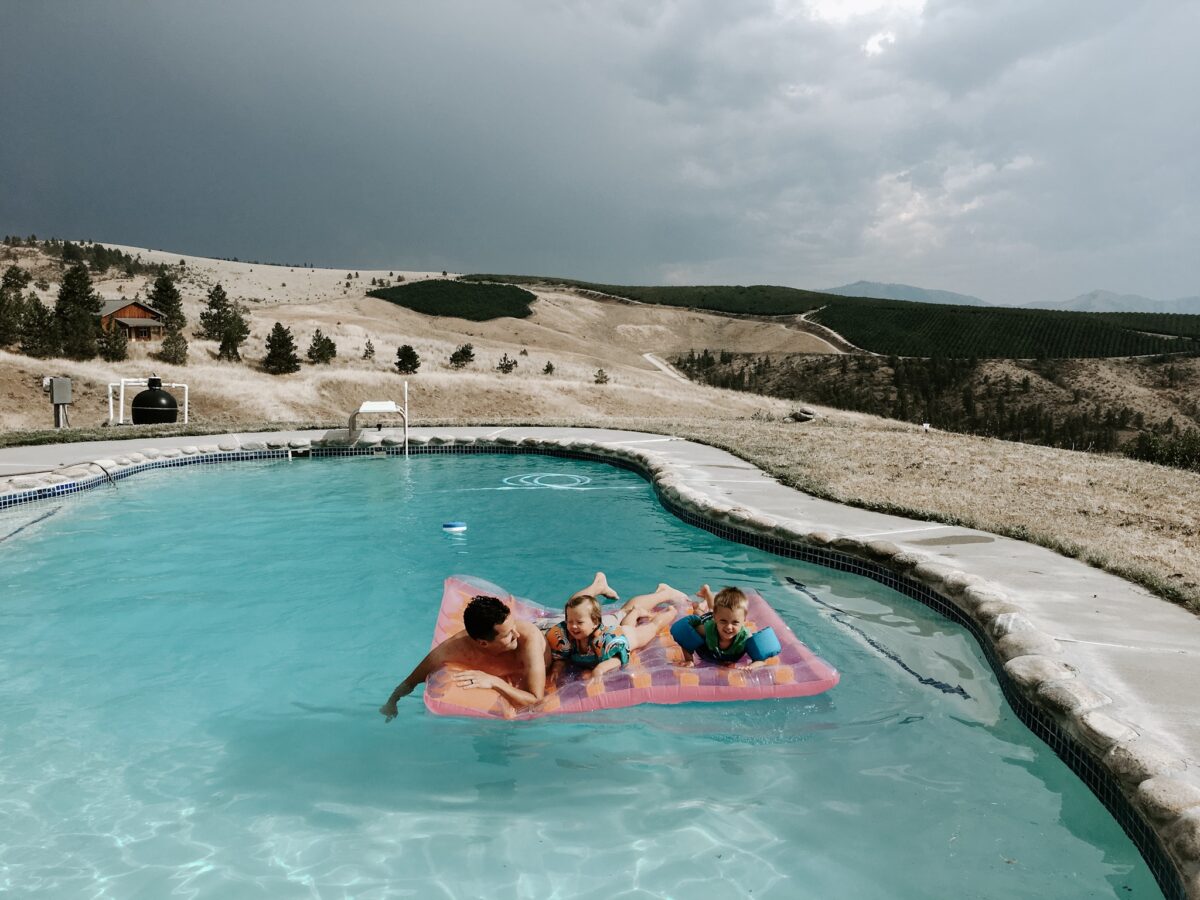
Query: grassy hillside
x,y
463,300
905,328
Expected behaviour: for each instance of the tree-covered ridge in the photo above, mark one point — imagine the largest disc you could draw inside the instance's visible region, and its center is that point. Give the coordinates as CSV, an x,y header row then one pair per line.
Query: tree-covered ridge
x,y
906,328
98,257
755,299
1178,324
463,300
927,330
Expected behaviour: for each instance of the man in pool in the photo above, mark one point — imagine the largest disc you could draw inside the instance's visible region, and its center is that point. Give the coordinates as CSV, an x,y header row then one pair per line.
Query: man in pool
x,y
495,651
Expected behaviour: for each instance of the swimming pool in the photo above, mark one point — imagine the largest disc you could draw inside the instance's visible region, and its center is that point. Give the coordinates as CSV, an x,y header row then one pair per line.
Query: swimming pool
x,y
191,664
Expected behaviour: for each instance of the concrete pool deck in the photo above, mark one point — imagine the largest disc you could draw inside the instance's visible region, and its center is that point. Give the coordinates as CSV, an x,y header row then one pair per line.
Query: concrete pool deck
x,y
1116,667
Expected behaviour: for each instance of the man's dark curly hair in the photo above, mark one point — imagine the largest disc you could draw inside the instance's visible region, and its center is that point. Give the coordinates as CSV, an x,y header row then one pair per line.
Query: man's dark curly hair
x,y
482,615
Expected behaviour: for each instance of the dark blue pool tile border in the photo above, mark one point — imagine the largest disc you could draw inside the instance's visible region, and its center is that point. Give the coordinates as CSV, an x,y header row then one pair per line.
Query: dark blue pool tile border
x,y
1043,726
1085,765
75,486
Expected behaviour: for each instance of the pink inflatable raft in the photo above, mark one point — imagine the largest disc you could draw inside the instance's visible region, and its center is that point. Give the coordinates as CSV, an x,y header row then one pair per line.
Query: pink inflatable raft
x,y
652,676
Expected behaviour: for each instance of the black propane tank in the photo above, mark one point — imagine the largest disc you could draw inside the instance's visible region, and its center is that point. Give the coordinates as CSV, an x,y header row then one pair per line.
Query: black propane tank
x,y
154,406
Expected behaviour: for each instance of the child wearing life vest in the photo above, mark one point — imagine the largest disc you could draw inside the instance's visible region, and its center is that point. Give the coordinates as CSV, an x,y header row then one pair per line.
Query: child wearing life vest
x,y
585,640
720,627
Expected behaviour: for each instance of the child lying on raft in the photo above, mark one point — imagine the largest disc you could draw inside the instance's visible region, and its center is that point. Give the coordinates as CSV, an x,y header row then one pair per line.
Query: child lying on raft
x,y
717,632
585,640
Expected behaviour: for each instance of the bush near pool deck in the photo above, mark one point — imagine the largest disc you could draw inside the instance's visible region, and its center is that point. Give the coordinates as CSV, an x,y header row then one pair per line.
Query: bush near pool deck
x,y
463,300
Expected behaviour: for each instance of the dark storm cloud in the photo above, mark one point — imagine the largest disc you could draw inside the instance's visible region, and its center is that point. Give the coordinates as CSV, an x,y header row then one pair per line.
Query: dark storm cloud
x,y
1022,150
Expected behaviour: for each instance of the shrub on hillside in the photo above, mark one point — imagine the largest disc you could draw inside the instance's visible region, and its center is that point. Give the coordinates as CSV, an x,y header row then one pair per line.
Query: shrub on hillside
x,y
463,356
506,364
407,360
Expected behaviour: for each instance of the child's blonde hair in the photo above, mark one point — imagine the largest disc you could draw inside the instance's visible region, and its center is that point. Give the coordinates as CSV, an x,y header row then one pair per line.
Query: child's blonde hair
x,y
592,604
730,598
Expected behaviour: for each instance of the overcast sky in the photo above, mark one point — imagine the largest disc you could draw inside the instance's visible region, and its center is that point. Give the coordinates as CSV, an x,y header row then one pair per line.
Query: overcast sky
x,y
1015,150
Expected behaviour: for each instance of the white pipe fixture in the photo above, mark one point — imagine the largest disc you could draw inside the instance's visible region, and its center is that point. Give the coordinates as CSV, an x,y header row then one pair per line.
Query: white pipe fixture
x,y
380,407
119,412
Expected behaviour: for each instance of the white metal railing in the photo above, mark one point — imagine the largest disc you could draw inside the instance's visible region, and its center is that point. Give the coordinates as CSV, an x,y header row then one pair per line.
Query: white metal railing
x,y
380,407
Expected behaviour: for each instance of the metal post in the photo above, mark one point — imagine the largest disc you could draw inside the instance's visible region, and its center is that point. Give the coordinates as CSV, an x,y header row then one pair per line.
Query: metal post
x,y
406,418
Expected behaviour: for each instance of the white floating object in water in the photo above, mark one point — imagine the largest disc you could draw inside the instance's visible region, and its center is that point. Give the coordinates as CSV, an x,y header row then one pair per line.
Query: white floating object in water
x,y
454,527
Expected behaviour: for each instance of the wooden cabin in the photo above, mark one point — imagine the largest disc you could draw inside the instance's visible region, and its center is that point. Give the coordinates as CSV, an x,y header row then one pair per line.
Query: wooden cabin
x,y
139,321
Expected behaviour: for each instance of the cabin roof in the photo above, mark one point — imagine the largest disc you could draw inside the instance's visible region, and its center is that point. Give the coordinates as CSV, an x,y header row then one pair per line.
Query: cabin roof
x,y
111,306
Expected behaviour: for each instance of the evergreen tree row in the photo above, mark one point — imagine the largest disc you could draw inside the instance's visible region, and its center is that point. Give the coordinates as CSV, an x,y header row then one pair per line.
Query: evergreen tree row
x,y
97,257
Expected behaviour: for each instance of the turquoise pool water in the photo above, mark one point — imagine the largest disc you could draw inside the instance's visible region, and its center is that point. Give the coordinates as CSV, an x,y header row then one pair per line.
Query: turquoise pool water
x,y
191,664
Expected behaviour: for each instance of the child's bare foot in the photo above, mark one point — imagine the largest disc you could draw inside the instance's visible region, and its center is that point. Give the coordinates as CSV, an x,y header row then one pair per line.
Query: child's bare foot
x,y
599,587
666,593
663,619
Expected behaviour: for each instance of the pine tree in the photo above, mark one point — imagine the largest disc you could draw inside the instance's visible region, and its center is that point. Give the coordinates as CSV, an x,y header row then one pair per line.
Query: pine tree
x,y
322,349
462,356
234,330
506,364
174,348
164,297
601,377
113,344
549,369
39,335
407,360
76,313
216,311
369,350
281,352
12,303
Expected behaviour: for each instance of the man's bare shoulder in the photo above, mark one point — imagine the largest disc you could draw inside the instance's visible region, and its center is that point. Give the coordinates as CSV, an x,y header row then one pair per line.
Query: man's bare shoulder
x,y
530,632
457,646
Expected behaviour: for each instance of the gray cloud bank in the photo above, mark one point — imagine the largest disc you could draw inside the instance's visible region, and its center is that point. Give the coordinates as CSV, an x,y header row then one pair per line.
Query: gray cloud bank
x,y
1016,151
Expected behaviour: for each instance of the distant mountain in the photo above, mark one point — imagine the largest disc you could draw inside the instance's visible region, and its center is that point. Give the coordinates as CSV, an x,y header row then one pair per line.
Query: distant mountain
x,y
1100,301
1109,301
904,292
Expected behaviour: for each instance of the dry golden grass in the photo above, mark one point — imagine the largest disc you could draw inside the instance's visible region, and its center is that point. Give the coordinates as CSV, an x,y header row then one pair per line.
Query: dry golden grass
x,y
1131,518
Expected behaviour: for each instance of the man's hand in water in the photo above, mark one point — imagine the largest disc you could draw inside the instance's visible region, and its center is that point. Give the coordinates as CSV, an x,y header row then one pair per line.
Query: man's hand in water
x,y
403,689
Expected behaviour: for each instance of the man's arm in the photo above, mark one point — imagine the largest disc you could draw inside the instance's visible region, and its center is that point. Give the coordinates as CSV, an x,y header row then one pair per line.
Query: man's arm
x,y
432,660
483,681
533,661
533,667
